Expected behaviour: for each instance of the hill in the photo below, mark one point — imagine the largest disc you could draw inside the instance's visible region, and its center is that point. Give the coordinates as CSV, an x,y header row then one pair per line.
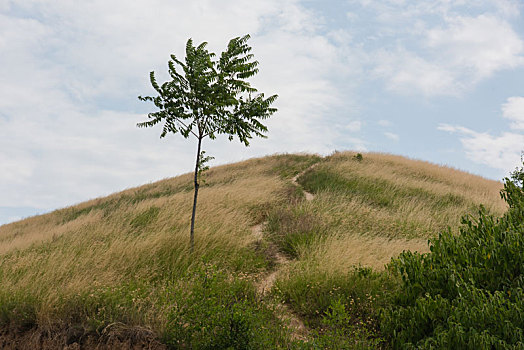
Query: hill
x,y
116,271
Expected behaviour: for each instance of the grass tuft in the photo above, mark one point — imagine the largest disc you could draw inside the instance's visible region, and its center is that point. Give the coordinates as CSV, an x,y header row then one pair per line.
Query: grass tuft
x,y
145,218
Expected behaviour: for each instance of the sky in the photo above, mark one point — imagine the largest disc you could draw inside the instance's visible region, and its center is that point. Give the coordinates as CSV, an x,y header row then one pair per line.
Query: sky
x,y
437,80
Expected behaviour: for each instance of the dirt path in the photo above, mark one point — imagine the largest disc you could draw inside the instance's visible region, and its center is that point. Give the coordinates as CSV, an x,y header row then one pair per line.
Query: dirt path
x,y
309,196
264,285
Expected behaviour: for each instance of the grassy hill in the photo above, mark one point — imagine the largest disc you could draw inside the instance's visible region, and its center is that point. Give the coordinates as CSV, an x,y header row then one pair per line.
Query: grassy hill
x,y
116,271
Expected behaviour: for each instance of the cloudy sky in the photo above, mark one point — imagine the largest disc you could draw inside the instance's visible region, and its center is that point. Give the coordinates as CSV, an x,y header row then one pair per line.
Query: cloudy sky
x,y
437,80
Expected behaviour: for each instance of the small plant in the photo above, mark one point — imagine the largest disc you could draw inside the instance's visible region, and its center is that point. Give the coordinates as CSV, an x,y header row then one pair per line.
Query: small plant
x,y
358,157
203,166
340,331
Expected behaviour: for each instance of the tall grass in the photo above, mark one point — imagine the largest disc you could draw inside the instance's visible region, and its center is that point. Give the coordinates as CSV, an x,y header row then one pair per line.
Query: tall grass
x,y
364,213
121,258
125,258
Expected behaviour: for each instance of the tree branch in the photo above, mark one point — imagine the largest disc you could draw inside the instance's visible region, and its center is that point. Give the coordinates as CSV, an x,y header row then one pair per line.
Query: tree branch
x,y
191,131
211,132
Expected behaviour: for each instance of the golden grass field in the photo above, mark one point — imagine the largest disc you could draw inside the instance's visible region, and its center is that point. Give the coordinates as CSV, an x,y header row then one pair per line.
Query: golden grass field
x,y
364,213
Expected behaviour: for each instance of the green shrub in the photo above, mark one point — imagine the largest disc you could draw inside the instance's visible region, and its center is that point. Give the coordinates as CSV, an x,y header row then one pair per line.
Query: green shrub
x,y
467,292
339,308
217,311
339,331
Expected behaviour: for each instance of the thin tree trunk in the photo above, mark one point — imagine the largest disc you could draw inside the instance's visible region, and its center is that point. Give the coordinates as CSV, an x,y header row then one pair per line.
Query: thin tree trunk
x,y
192,233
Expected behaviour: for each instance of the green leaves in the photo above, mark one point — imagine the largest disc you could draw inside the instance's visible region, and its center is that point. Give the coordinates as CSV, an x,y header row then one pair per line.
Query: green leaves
x,y
208,96
203,165
468,291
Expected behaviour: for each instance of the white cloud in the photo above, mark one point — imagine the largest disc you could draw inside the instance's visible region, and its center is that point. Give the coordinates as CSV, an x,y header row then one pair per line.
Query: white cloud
x,y
477,46
500,152
384,122
513,110
71,72
451,59
439,47
354,126
394,11
508,8
391,136
410,74
355,144
455,128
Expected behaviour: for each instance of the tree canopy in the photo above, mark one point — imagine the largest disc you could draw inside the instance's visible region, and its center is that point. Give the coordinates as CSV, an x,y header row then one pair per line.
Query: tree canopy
x,y
208,96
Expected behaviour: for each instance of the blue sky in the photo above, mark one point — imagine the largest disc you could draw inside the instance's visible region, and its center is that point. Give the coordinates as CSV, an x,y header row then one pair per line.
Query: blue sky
x,y
436,80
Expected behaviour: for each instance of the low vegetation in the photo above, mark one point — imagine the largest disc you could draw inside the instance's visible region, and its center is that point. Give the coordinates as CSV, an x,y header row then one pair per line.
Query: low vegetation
x,y
467,293
124,260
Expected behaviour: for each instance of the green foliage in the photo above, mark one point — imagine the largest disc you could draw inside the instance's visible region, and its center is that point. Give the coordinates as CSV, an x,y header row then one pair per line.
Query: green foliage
x,y
358,157
207,97
215,311
362,292
339,331
468,291
203,166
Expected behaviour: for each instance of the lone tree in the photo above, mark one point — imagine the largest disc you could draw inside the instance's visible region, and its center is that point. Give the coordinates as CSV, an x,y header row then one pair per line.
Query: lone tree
x,y
207,97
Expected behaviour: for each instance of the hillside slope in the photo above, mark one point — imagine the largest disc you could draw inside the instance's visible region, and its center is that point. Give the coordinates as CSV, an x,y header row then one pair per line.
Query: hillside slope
x,y
122,262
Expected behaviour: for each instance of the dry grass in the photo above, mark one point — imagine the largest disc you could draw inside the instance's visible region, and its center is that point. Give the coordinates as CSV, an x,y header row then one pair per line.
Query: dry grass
x,y
141,235
393,196
437,179
338,255
225,193
370,211
73,250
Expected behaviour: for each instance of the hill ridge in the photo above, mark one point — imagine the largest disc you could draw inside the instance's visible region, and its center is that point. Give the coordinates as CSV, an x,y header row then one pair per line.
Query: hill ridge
x,y
124,259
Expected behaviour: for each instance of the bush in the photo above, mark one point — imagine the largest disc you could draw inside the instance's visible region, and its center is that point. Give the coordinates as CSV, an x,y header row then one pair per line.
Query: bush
x,y
341,309
217,311
467,292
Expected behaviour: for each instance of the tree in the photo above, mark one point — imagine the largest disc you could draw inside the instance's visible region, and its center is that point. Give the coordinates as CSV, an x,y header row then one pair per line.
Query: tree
x,y
209,97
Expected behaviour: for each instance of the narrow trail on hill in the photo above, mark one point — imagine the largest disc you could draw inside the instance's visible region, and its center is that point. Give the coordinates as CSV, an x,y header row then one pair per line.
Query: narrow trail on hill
x,y
264,285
